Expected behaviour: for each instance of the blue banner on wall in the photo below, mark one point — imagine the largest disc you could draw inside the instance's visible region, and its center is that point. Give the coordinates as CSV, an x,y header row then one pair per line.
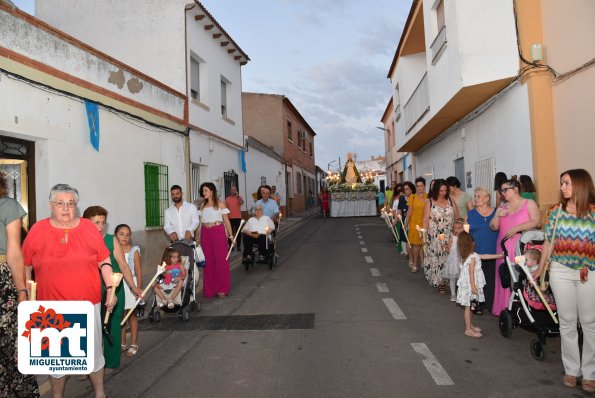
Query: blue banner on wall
x,y
93,119
243,160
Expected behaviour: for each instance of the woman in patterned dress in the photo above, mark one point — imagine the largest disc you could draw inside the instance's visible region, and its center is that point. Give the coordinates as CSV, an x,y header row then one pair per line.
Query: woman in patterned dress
x,y
439,216
12,292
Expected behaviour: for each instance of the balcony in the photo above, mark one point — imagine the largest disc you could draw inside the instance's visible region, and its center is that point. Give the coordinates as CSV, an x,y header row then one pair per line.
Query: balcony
x,y
417,105
438,44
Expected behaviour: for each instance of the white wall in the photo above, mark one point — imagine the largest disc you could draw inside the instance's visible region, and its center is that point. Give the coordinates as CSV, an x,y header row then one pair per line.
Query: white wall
x,y
112,177
217,63
502,132
216,158
260,164
147,35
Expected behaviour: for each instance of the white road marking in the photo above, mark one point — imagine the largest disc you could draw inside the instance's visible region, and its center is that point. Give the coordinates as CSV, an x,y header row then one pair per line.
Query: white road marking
x,y
436,370
369,259
361,242
382,288
364,249
394,308
374,272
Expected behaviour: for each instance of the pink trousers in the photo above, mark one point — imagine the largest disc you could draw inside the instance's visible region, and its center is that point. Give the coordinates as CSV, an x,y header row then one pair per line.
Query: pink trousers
x,y
216,274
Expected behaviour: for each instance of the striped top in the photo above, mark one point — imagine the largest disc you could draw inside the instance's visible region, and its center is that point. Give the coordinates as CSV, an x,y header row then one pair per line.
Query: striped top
x,y
575,237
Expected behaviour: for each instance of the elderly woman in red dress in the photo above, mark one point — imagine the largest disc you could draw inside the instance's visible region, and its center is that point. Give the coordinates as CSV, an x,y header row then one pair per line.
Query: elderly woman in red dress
x,y
68,256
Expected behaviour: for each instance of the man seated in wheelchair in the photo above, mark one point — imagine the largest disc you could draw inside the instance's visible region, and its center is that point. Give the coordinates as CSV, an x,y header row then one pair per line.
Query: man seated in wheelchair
x,y
256,231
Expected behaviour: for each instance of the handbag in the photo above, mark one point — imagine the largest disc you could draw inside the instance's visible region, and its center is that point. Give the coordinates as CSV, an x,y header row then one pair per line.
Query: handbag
x,y
199,256
544,279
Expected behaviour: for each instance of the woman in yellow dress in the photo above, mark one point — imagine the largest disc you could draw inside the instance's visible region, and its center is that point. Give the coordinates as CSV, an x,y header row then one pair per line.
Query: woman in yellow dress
x,y
415,214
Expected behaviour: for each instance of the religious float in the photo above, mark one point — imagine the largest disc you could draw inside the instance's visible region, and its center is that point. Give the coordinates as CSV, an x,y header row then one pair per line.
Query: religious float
x,y
352,194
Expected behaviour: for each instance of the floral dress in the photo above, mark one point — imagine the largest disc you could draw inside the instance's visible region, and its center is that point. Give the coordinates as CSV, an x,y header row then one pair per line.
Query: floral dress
x,y
464,282
441,222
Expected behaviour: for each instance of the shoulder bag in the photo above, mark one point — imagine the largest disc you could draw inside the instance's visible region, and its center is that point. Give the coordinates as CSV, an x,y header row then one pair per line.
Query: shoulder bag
x,y
544,277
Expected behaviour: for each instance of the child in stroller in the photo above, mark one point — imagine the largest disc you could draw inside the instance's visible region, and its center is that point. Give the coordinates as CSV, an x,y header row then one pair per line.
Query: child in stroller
x,y
526,308
167,291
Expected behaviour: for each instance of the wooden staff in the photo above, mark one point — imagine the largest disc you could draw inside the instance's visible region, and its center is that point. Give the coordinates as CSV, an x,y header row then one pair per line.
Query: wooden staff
x,y
116,279
235,238
160,270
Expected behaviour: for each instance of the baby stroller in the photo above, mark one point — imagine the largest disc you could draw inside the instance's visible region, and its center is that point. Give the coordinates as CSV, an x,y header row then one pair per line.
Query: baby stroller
x,y
187,297
269,257
526,309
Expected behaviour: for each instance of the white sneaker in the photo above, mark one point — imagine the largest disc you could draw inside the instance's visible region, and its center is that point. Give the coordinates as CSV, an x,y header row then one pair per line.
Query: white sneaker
x,y
453,298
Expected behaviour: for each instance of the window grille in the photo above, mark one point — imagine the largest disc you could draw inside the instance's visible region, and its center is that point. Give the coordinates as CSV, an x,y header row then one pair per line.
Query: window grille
x,y
156,194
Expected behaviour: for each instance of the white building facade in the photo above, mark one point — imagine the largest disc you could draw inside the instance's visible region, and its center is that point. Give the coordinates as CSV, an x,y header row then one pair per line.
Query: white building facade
x,y
182,45
458,109
481,86
45,78
264,166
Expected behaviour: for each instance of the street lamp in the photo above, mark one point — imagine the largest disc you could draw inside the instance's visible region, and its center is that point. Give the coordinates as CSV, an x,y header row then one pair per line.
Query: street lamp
x,y
382,128
328,167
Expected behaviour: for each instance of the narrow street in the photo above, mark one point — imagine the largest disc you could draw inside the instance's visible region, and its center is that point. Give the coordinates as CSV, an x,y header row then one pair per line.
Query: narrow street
x,y
341,316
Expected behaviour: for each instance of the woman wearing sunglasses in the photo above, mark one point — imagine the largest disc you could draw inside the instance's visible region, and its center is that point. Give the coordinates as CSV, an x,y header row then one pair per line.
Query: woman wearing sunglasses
x,y
515,215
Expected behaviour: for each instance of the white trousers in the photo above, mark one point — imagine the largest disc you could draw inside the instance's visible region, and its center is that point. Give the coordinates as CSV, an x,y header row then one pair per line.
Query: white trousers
x,y
576,302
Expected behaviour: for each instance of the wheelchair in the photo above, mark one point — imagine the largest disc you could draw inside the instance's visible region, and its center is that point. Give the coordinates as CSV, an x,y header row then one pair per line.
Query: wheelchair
x,y
269,257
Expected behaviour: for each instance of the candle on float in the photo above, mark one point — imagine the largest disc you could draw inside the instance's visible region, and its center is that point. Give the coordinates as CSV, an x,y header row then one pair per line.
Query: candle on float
x,y
33,290
466,227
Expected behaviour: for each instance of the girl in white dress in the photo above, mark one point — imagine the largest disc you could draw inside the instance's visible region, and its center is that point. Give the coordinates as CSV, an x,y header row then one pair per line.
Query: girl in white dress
x,y
452,269
471,281
132,256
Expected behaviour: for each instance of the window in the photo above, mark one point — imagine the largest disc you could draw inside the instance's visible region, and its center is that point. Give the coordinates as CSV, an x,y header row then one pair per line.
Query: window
x,y
298,183
302,140
195,182
223,98
397,101
289,131
195,79
484,174
311,150
156,194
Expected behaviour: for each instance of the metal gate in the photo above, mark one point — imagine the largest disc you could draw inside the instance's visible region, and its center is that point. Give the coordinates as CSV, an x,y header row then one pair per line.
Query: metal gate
x,y
460,172
230,179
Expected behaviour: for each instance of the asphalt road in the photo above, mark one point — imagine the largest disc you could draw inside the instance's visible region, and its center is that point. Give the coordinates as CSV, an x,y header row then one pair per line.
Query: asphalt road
x,y
341,316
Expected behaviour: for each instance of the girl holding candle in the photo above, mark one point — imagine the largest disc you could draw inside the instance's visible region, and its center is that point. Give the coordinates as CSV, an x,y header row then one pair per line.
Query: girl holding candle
x,y
12,291
132,257
112,350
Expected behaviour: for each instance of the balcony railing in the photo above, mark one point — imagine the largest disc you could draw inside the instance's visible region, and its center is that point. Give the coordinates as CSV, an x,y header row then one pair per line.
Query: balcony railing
x,y
417,105
438,43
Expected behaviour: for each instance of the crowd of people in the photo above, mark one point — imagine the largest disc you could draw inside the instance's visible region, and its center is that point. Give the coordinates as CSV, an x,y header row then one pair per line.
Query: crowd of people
x,y
445,231
449,233
74,258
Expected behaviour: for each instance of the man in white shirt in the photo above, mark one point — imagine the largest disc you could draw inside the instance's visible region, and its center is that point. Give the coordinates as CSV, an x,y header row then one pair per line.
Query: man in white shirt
x,y
256,230
181,218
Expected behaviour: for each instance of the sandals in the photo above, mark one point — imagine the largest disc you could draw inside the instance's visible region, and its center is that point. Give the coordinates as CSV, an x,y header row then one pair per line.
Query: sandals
x,y
442,289
588,385
123,347
570,381
473,333
476,328
170,304
132,350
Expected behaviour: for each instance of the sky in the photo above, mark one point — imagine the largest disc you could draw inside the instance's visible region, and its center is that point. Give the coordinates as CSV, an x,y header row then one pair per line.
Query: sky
x,y
329,57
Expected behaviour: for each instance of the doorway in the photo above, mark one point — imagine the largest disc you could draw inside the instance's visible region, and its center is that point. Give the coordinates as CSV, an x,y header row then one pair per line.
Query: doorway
x,y
16,163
